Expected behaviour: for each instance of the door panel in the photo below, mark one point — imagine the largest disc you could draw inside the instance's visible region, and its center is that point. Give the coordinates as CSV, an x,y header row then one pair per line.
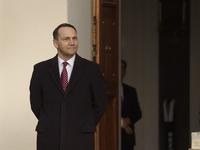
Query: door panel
x,y
107,57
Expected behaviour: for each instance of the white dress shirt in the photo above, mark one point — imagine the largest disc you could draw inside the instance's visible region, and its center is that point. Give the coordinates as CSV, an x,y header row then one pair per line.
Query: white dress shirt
x,y
69,66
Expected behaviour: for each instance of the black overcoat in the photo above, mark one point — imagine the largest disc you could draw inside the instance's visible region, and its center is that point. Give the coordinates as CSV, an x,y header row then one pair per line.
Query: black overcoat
x,y
67,120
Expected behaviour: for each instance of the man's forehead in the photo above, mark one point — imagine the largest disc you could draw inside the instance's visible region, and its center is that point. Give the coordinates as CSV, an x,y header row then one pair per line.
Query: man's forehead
x,y
67,31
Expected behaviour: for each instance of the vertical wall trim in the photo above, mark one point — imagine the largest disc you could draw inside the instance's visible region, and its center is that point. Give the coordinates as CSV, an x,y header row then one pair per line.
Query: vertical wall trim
x,y
194,66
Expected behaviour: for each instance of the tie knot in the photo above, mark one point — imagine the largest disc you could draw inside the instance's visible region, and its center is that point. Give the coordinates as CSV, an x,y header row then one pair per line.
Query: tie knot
x,y
65,64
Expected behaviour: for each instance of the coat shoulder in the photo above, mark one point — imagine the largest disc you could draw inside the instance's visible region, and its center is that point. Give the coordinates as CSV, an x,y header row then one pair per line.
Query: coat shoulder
x,y
44,63
129,87
88,63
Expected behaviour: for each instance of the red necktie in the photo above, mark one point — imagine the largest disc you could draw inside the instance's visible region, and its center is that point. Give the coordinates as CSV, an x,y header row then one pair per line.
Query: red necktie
x,y
64,76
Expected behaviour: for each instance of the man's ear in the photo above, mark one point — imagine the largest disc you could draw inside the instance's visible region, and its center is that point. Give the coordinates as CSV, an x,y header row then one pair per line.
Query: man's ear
x,y
55,43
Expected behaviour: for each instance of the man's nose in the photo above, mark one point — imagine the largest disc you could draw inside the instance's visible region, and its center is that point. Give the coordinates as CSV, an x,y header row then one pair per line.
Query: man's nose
x,y
71,42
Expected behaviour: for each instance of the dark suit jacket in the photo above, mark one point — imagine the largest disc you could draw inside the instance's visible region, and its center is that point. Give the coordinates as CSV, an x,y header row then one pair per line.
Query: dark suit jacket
x,y
67,121
131,109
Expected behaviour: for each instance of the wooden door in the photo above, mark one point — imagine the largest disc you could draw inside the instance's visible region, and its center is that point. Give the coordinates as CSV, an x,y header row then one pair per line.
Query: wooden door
x,y
106,54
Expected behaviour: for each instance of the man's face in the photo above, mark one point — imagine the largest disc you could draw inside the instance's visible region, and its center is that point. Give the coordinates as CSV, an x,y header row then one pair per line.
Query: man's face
x,y
123,71
67,43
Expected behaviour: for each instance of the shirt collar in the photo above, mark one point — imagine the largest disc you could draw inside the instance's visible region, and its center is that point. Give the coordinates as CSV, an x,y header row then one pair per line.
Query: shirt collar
x,y
70,61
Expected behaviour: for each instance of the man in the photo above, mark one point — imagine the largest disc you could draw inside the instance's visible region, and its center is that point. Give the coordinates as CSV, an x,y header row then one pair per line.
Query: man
x,y
70,100
130,114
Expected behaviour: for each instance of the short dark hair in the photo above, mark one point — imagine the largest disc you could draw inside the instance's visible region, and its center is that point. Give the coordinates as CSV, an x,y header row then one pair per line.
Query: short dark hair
x,y
55,32
125,64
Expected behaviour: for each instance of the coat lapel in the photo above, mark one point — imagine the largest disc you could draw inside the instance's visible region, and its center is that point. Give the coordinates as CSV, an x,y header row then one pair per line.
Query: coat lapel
x,y
54,72
76,73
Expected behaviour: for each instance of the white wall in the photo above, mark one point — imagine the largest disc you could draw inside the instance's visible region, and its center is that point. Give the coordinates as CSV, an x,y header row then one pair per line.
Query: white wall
x,y
26,38
80,13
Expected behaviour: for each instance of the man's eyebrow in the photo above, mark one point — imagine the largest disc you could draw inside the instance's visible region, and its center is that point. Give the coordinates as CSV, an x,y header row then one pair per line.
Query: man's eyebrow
x,y
66,36
69,37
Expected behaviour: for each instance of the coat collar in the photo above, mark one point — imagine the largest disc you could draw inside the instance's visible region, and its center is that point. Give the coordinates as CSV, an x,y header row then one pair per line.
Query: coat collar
x,y
76,72
54,72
